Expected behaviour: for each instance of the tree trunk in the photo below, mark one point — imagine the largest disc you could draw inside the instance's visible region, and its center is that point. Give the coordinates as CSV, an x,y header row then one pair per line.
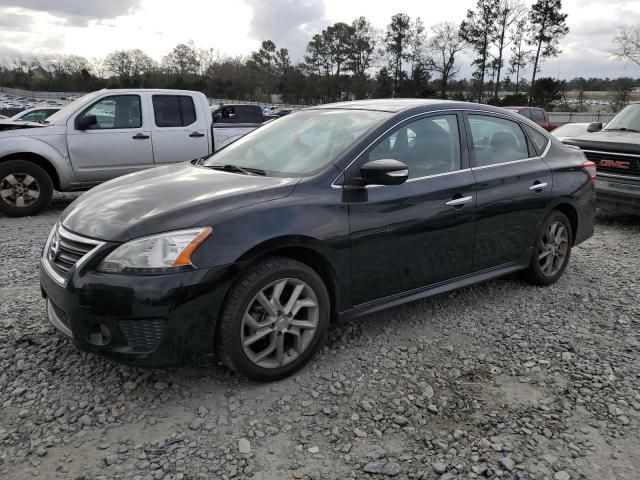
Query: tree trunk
x,y
535,66
500,51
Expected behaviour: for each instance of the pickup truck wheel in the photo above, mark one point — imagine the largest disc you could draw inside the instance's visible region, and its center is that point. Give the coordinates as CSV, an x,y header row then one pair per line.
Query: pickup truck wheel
x,y
25,188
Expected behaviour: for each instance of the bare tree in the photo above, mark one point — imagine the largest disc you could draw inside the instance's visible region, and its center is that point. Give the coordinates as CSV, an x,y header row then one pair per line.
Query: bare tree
x,y
627,43
444,45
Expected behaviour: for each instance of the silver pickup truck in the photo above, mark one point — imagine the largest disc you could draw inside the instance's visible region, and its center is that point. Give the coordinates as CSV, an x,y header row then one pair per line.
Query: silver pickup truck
x,y
110,133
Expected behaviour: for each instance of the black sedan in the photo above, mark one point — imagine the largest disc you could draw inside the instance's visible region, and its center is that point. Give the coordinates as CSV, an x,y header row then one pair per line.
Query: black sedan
x,y
327,214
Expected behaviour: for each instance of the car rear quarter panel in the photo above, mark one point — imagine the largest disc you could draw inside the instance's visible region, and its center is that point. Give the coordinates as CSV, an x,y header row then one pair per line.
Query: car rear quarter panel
x,y
572,186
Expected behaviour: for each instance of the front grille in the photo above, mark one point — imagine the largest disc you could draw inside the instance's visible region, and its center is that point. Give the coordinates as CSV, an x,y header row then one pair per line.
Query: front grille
x,y
614,162
65,249
143,335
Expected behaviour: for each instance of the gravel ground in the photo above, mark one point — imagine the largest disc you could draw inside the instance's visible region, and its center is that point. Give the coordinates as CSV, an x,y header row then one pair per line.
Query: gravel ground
x,y
501,380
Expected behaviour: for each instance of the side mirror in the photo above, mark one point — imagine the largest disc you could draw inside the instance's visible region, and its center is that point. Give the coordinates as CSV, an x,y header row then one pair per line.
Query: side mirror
x,y
594,127
87,121
384,172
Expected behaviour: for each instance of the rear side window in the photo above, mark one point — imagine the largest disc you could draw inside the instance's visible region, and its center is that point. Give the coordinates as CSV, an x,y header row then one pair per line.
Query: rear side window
x,y
525,113
497,140
247,114
539,140
173,110
537,116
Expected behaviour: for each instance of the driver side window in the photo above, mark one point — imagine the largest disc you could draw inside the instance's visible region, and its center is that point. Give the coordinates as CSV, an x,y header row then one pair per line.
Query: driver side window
x,y
429,146
118,111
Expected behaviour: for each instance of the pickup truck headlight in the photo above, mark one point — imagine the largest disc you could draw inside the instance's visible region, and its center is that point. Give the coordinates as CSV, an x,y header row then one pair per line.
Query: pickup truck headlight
x,y
162,253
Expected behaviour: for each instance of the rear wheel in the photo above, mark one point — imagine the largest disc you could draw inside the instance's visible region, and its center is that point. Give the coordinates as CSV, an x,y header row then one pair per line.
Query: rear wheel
x,y
275,318
552,250
25,188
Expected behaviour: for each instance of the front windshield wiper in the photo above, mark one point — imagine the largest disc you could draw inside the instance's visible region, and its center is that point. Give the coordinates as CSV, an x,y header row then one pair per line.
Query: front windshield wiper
x,y
238,169
621,129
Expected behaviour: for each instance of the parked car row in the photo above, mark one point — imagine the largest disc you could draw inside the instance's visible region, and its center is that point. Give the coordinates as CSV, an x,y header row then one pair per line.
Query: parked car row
x,y
14,104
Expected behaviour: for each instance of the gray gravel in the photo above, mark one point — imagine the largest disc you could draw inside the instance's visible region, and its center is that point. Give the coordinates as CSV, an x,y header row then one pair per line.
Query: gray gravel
x,y
501,380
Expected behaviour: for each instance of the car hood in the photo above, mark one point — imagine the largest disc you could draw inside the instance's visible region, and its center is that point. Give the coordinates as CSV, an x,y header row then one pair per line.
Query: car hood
x,y
18,124
167,198
624,142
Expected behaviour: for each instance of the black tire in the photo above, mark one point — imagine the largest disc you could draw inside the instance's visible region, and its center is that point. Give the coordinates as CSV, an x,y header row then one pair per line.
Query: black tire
x,y
228,340
535,274
16,170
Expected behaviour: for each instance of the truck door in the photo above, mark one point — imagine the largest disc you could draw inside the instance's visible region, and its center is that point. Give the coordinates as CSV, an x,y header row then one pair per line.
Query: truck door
x,y
231,122
179,129
118,143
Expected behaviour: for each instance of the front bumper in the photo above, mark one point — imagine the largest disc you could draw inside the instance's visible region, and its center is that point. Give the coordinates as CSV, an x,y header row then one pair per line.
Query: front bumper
x,y
621,194
152,321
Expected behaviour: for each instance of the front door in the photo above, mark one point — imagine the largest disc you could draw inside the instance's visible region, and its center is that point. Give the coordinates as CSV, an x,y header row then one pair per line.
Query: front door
x,y
119,143
421,232
514,190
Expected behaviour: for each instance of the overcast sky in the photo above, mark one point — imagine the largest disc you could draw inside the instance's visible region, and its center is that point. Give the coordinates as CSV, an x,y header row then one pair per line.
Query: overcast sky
x,y
93,28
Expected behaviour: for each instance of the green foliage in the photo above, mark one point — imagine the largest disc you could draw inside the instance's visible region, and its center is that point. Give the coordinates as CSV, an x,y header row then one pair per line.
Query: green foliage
x,y
545,91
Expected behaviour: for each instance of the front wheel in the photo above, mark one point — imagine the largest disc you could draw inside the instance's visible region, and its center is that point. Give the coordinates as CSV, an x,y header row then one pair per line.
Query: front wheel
x,y
274,319
25,188
551,251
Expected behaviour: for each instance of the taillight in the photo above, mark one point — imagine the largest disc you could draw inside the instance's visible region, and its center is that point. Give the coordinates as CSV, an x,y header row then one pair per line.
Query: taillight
x,y
590,167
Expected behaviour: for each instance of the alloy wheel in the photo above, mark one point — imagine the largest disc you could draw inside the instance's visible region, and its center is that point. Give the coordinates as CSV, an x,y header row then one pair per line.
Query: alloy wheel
x,y
279,323
553,249
19,189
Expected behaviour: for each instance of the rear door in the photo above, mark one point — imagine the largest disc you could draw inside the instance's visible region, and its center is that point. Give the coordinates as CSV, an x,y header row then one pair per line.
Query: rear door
x,y
514,190
419,233
119,143
179,128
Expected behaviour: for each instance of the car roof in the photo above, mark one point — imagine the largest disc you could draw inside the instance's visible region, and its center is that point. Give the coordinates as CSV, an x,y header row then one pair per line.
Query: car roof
x,y
386,104
410,105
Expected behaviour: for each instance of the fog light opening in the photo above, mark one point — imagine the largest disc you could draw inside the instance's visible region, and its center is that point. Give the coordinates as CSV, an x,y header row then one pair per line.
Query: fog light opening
x,y
100,338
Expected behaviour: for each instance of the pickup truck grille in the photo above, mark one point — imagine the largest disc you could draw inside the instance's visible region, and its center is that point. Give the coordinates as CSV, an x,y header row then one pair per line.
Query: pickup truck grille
x,y
64,250
614,162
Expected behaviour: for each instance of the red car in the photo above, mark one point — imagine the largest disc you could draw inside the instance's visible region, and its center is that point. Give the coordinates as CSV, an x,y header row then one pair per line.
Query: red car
x,y
536,114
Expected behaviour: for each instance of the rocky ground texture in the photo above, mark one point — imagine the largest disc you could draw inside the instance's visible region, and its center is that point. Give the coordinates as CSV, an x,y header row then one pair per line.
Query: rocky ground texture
x,y
500,380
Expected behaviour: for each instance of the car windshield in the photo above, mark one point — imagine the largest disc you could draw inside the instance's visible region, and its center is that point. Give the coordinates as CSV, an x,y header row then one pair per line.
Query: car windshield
x,y
627,119
300,143
570,130
70,108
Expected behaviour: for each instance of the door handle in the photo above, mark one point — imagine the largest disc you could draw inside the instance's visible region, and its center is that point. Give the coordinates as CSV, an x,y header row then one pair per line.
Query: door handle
x,y
196,134
459,202
538,186
140,136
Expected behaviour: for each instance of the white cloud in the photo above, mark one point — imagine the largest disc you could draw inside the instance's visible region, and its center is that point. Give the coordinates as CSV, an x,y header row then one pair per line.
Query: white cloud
x,y
94,28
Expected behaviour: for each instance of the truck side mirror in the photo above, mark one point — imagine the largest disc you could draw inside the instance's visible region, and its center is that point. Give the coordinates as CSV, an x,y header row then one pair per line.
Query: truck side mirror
x,y
594,127
87,121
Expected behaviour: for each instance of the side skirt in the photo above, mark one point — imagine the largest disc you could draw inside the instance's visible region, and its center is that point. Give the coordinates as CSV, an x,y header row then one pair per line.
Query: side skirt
x,y
425,292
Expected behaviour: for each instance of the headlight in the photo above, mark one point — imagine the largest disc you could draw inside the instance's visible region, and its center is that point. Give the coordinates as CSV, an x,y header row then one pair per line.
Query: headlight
x,y
161,253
